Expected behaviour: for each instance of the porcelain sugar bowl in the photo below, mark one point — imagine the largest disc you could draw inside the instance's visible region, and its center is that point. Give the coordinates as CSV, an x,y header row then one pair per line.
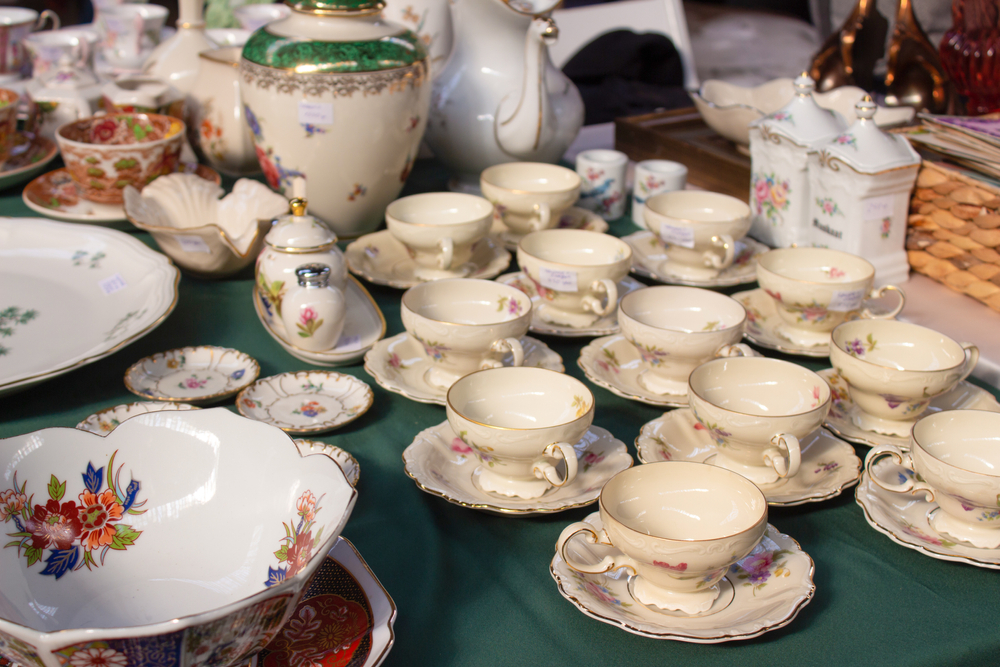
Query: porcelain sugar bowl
x,y
336,94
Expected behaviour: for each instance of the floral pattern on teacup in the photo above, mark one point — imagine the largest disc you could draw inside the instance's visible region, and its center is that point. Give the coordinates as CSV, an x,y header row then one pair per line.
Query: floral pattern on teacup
x,y
580,403
591,459
680,567
512,306
756,569
840,400
858,348
913,531
717,434
650,354
298,544
601,593
811,312
770,196
610,361
433,349
825,467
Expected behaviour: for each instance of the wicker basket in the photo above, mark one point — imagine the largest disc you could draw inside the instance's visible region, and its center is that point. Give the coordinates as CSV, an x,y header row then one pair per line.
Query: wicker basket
x,y
954,232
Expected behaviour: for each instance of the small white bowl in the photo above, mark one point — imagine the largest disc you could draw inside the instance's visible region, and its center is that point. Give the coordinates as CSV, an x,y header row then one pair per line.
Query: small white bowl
x,y
197,375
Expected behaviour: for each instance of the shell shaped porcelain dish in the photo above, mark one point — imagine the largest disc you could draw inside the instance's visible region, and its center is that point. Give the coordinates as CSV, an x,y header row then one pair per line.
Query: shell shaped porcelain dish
x,y
142,487
109,419
306,402
649,254
198,375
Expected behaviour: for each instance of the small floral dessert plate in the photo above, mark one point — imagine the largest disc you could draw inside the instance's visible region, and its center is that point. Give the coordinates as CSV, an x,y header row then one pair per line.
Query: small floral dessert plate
x,y
347,463
29,154
400,363
829,465
108,420
197,375
306,402
602,327
442,464
965,396
906,518
762,318
760,593
379,258
649,252
574,218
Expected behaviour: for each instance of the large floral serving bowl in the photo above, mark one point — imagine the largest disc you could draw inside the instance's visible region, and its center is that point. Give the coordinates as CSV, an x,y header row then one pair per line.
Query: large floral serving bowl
x,y
180,538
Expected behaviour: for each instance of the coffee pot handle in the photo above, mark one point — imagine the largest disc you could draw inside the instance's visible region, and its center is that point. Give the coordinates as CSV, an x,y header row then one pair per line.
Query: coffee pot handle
x,y
503,345
593,304
545,470
901,458
447,246
544,214
776,459
607,564
728,245
877,293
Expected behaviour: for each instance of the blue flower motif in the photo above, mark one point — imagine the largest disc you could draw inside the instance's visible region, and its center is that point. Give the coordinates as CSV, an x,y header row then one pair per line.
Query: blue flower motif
x,y
275,575
236,375
252,121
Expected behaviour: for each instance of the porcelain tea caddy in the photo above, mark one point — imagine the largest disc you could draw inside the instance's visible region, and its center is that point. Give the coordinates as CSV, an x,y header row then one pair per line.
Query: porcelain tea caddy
x,y
779,146
859,194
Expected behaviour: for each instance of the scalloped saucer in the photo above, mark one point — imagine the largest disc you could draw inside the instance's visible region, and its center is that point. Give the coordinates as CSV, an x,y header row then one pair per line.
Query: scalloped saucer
x,y
906,519
649,253
829,465
602,327
109,419
306,402
199,375
762,317
965,396
399,364
379,258
574,218
761,592
443,465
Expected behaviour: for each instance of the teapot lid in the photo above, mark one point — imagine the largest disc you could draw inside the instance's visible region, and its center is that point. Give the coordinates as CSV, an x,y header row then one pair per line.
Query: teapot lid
x,y
866,148
299,232
802,120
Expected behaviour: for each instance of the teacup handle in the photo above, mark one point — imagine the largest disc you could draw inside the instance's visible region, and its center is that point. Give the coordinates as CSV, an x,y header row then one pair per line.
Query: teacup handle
x,y
447,247
607,564
593,304
547,471
902,458
49,15
724,241
736,350
774,457
971,359
503,345
878,292
544,214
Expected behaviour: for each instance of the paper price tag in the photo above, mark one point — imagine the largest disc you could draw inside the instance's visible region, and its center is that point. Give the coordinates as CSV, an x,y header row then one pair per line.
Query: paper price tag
x,y
194,244
877,208
561,280
682,236
113,284
348,344
316,113
846,300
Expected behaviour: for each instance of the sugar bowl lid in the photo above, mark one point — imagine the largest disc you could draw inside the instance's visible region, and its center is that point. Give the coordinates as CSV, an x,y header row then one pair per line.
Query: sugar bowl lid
x,y
802,120
866,148
299,232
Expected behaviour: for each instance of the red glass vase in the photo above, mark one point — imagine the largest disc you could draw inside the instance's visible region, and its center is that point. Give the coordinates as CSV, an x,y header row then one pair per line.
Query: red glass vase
x,y
970,52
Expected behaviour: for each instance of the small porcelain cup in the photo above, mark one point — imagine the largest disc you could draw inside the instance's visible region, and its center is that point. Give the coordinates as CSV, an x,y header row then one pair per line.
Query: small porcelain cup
x,y
530,196
520,422
16,23
815,289
677,328
894,369
954,459
253,17
653,177
465,325
130,33
700,230
440,230
678,527
571,270
8,121
50,47
757,409
602,174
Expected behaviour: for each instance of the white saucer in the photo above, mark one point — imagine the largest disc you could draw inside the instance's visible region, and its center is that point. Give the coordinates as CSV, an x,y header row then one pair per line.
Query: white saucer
x,y
399,364
442,464
574,218
761,592
364,326
829,465
109,419
306,402
649,252
379,258
199,375
347,463
602,327
965,396
905,519
762,317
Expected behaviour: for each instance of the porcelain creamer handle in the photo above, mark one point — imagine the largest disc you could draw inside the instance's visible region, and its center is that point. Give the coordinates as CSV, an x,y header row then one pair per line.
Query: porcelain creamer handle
x,y
503,345
47,15
971,359
736,350
777,460
447,247
593,304
901,458
728,245
543,217
607,564
545,470
878,292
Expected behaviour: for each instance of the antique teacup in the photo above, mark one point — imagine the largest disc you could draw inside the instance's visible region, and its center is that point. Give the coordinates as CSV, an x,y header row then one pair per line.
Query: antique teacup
x,y
677,328
130,33
894,369
16,23
570,269
50,47
756,410
678,526
530,196
520,422
700,229
954,460
440,230
465,325
815,289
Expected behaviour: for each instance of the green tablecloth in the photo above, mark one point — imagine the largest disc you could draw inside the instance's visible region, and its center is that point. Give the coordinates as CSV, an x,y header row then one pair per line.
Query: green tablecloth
x,y
474,589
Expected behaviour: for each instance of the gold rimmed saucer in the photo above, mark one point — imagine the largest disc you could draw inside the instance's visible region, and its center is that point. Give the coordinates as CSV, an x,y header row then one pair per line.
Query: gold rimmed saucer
x,y
573,218
306,402
197,375
649,254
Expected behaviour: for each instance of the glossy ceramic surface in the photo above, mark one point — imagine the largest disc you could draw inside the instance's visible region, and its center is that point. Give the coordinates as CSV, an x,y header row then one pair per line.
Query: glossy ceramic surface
x,y
649,256
306,402
108,420
347,463
762,319
572,218
198,375
28,156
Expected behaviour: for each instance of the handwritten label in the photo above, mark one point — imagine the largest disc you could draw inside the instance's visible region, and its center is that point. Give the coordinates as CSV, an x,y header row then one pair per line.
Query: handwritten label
x,y
113,284
877,208
844,301
561,280
348,344
193,244
682,236
316,113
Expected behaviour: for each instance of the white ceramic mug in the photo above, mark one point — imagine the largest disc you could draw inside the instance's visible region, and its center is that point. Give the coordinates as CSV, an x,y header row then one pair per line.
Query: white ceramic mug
x,y
465,325
677,526
602,177
530,196
520,423
130,33
653,177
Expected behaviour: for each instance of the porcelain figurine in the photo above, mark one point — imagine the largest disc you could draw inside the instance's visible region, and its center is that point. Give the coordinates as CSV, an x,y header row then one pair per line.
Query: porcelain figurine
x,y
337,94
499,97
218,123
314,312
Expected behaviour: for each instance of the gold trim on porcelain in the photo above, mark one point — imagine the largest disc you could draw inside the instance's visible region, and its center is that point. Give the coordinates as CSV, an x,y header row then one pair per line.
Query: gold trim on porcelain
x,y
482,177
254,369
173,231
314,444
846,255
832,162
369,401
353,13
627,259
821,406
701,222
964,350
127,406
519,295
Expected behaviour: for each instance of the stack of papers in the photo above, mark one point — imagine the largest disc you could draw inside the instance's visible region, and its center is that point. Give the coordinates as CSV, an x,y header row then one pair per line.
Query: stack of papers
x,y
972,142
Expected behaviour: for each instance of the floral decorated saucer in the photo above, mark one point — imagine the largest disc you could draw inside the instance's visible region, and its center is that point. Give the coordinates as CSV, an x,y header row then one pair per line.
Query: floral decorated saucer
x,y
649,253
965,396
306,402
906,519
574,218
762,318
29,154
198,375
109,419
602,327
379,258
347,463
400,363
829,465
761,592
443,465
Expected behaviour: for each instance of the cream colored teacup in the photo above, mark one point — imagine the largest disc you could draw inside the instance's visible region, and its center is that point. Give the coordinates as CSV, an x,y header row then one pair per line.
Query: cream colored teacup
x,y
677,526
894,369
815,289
954,461
575,272
700,229
465,325
757,409
440,230
530,196
677,328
